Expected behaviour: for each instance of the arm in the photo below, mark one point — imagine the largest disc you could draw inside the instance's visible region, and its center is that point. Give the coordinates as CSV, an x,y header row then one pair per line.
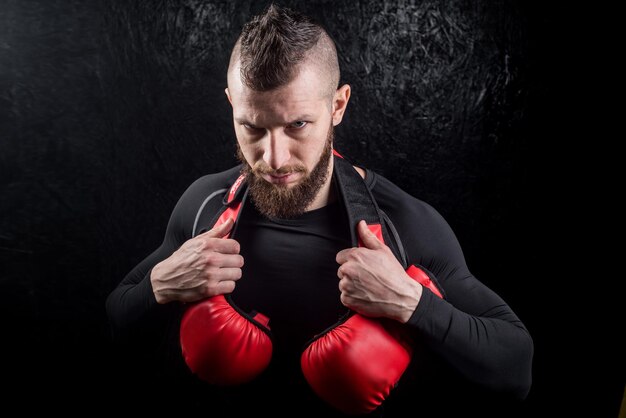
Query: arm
x,y
183,269
473,329
132,306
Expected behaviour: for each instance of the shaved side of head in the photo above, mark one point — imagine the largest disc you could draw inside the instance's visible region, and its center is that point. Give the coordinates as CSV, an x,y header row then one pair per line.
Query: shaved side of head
x,y
274,47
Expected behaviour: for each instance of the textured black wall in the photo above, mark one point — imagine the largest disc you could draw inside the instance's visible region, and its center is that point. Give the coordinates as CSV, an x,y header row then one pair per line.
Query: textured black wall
x,y
109,110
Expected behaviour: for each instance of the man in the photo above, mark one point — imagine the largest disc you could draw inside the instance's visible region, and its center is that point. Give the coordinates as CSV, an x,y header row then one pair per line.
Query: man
x,y
291,256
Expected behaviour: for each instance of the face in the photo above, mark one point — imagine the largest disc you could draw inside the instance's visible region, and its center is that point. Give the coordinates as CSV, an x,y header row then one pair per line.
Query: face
x,y
279,200
285,140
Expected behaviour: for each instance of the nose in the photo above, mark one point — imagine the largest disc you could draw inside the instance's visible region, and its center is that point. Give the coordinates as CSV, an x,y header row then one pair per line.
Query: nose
x,y
277,153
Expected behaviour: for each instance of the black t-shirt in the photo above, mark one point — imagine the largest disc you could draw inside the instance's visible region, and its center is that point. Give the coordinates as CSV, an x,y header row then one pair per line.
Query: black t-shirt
x,y
471,350
290,274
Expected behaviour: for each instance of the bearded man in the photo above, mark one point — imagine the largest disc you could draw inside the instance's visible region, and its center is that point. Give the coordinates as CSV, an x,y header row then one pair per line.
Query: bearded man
x,y
296,282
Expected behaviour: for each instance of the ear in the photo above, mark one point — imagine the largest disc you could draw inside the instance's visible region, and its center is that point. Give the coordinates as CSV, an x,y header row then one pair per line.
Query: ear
x,y
228,95
340,102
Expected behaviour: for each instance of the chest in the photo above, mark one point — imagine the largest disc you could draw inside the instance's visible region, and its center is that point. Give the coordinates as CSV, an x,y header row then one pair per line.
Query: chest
x,y
290,271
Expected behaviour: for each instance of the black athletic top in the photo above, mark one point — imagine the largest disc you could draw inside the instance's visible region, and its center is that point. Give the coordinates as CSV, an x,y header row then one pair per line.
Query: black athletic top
x,y
299,293
471,350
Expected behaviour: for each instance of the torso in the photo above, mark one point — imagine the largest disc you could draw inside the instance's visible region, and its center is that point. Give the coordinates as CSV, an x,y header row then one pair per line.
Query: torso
x,y
290,273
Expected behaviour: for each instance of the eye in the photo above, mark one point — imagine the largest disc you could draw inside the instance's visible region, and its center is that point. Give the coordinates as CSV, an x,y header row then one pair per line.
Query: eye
x,y
250,128
299,124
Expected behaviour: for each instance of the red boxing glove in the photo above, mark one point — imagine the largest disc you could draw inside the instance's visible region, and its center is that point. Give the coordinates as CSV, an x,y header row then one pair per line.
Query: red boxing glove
x,y
355,365
221,346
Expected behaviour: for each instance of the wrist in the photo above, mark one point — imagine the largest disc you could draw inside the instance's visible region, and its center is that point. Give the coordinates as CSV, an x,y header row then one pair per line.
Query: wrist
x,y
160,298
410,302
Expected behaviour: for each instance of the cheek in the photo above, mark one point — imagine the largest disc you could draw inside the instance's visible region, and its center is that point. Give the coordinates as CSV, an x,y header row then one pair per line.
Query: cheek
x,y
310,151
254,157
250,152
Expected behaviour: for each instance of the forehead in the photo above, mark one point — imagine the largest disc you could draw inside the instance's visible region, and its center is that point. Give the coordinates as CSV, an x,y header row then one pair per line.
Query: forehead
x,y
302,95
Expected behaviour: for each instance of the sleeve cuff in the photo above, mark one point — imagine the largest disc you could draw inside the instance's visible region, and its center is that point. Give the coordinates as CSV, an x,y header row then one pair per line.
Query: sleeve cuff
x,y
144,288
424,307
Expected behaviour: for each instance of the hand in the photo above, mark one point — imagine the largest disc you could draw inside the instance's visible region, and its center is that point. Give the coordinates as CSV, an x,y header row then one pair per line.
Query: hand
x,y
373,282
204,266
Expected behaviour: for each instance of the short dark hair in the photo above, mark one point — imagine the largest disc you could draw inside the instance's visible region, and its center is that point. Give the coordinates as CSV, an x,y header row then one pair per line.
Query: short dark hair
x,y
273,43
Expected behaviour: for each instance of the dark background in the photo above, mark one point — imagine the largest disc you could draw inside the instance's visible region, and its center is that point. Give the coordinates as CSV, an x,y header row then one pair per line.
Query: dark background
x,y
110,109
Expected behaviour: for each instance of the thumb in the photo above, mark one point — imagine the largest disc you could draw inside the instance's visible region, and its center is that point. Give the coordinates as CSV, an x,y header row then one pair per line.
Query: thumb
x,y
221,230
368,238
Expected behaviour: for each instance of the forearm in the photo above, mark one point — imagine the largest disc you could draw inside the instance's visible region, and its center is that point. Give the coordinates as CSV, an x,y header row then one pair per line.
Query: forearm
x,y
132,306
129,305
493,350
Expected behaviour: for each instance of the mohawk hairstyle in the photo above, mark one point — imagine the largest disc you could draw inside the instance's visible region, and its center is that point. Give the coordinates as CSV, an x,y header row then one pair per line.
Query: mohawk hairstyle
x,y
273,43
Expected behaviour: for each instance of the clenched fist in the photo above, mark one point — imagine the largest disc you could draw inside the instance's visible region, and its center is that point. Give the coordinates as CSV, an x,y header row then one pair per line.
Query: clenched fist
x,y
204,266
373,282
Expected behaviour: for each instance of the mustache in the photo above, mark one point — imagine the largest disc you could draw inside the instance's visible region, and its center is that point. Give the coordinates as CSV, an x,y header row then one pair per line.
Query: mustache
x,y
262,168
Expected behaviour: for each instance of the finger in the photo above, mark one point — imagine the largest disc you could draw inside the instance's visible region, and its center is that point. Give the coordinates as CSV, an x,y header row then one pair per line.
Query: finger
x,y
344,285
342,272
231,260
228,274
345,300
342,256
224,246
368,238
220,230
214,259
226,286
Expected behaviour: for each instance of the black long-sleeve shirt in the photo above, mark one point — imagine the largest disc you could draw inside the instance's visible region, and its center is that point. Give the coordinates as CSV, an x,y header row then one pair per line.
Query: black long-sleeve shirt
x,y
470,347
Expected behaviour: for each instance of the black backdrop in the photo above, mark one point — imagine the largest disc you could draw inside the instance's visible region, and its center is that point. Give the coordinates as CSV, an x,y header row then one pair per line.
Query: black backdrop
x,y
110,109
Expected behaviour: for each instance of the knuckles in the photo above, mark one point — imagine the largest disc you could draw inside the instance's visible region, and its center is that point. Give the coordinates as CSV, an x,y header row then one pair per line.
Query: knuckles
x,y
210,289
345,271
343,286
201,244
210,243
345,300
358,254
208,259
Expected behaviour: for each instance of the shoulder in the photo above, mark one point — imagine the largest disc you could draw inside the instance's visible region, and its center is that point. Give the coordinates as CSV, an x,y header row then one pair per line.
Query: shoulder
x,y
396,202
422,229
428,239
203,188
210,183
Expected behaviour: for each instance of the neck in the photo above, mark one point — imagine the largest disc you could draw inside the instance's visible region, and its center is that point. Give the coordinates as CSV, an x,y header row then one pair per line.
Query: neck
x,y
326,194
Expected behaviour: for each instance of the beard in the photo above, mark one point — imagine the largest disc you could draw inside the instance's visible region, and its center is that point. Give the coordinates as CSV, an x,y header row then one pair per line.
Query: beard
x,y
280,200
